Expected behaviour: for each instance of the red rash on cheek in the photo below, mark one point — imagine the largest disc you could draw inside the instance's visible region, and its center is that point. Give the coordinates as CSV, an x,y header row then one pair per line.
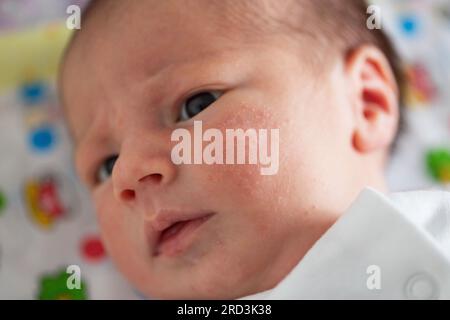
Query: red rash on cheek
x,y
246,178
241,177
244,116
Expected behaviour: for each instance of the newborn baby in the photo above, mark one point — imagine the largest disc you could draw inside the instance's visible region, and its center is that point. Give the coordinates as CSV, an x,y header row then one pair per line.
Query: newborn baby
x,y
139,72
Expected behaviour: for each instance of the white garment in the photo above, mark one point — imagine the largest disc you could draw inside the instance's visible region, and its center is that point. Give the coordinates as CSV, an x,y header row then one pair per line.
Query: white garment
x,y
395,247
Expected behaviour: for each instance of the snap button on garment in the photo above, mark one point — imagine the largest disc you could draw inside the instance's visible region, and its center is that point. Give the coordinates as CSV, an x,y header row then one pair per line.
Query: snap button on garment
x,y
421,286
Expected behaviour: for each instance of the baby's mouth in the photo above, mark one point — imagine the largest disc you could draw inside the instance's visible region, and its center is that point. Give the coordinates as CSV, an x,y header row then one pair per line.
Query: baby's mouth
x,y
178,235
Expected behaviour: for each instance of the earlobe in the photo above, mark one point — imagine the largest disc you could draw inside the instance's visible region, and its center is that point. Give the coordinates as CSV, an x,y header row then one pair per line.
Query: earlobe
x,y
375,95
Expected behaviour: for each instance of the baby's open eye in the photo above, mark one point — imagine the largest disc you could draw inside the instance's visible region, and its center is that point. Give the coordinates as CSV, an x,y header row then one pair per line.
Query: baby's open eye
x,y
106,168
197,103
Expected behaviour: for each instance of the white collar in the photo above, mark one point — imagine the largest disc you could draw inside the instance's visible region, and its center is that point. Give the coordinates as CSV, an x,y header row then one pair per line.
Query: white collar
x,y
376,230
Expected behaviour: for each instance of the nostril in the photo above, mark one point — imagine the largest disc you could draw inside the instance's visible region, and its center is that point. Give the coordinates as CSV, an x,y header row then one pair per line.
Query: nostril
x,y
128,195
155,177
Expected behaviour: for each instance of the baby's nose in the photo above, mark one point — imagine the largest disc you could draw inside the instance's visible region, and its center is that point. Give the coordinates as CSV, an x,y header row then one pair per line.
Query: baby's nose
x,y
134,175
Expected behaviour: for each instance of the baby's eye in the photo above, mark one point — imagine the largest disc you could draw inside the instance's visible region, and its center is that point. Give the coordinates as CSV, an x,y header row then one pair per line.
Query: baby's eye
x,y
197,103
106,168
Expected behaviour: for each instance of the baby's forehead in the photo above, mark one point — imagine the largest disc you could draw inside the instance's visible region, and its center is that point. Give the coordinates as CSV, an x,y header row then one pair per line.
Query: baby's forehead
x,y
254,15
172,27
165,28
115,47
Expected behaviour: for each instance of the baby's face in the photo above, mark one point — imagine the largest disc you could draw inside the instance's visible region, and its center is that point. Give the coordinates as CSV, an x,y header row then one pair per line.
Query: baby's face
x,y
125,85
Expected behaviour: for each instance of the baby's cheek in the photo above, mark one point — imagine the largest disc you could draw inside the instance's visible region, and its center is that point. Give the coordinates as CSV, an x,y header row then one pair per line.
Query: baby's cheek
x,y
108,222
246,116
122,239
246,178
238,178
115,225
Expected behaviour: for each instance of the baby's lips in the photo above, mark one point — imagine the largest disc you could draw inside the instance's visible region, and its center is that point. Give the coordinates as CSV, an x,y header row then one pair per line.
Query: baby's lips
x,y
178,237
166,218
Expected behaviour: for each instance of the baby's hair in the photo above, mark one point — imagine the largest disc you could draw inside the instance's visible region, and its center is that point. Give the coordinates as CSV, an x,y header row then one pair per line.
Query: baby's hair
x,y
337,27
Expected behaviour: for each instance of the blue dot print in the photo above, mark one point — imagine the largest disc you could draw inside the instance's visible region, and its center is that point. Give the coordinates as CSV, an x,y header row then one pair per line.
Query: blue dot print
x,y
43,138
410,25
33,93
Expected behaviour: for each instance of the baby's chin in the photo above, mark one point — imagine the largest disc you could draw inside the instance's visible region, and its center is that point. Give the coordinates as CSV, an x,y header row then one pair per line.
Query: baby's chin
x,y
189,295
203,282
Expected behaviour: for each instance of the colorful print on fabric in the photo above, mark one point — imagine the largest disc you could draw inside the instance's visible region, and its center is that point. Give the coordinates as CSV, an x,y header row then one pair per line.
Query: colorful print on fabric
x,y
438,162
55,287
45,200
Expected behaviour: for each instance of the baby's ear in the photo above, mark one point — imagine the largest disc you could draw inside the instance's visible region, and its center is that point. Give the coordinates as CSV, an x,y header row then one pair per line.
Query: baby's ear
x,y
374,95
